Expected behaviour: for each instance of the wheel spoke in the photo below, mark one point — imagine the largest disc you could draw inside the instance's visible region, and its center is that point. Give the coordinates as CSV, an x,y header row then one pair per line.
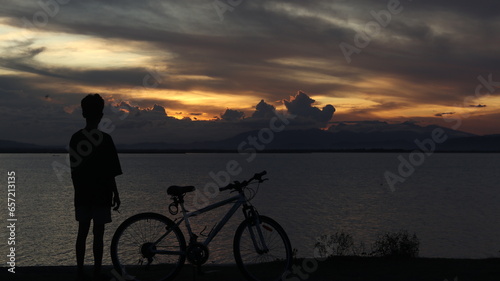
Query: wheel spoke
x,y
133,248
270,265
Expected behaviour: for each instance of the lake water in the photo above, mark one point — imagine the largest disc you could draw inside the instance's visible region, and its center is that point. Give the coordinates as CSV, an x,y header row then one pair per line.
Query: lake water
x,y
451,201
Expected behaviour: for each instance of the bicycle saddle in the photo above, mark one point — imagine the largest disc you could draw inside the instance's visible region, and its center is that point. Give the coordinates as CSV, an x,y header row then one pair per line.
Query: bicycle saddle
x,y
179,190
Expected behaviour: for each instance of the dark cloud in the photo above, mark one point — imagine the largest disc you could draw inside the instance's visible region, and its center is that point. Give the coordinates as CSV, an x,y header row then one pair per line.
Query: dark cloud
x,y
486,9
444,113
478,105
153,113
264,110
158,109
302,106
232,115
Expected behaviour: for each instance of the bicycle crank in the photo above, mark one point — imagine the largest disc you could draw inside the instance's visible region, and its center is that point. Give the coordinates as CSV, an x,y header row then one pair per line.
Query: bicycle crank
x,y
197,253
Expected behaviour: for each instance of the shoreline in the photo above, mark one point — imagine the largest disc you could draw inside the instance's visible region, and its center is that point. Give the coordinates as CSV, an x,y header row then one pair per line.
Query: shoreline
x,y
337,268
234,151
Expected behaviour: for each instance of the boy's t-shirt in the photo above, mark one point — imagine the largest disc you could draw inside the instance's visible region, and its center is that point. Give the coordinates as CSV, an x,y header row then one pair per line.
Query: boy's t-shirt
x,y
94,164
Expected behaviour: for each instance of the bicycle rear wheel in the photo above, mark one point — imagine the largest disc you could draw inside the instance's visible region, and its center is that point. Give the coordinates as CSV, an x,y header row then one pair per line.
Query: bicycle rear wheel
x,y
255,263
136,257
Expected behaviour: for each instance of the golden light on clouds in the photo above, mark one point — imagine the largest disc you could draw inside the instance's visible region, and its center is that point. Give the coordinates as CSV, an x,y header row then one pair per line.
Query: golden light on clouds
x,y
203,105
85,52
187,59
78,51
345,103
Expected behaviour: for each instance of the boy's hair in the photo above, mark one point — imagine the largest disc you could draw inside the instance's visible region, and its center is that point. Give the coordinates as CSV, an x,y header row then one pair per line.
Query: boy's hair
x,y
92,105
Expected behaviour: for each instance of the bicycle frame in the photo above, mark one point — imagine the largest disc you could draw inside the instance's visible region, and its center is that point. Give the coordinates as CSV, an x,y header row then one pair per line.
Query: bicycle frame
x,y
238,200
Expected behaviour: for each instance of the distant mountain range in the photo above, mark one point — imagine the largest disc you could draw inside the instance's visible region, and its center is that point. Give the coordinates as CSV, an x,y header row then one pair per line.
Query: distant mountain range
x,y
13,146
365,136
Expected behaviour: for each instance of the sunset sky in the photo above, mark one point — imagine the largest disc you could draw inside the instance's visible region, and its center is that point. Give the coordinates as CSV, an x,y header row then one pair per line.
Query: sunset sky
x,y
170,70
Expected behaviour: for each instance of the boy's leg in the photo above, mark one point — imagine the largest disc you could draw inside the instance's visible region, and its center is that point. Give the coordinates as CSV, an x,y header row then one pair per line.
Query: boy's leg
x,y
83,231
98,231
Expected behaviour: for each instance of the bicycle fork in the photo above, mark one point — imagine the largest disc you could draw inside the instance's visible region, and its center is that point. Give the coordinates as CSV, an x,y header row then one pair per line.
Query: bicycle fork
x,y
255,230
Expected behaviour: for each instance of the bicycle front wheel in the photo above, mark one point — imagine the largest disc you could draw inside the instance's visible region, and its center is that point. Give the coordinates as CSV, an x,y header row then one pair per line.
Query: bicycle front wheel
x,y
148,247
265,257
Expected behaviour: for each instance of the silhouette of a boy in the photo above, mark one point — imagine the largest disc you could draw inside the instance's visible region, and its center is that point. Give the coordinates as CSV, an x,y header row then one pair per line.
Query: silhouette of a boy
x,y
94,165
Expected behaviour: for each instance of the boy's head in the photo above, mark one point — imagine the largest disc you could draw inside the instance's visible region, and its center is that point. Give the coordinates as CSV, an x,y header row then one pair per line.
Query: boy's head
x,y
92,107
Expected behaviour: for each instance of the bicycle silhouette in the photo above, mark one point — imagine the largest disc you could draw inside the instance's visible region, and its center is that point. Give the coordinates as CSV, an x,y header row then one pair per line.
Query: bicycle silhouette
x,y
150,246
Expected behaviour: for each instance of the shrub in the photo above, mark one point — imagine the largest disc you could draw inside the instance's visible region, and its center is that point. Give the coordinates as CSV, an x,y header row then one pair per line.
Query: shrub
x,y
338,244
397,245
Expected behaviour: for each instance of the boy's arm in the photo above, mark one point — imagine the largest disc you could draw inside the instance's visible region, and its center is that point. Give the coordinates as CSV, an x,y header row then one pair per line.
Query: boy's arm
x,y
116,197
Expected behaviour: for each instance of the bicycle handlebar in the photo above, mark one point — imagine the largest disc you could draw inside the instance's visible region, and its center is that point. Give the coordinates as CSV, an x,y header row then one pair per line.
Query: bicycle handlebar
x,y
239,185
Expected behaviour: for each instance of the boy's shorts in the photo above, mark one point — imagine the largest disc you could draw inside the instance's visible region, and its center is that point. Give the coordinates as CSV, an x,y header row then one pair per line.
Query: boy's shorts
x,y
100,214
